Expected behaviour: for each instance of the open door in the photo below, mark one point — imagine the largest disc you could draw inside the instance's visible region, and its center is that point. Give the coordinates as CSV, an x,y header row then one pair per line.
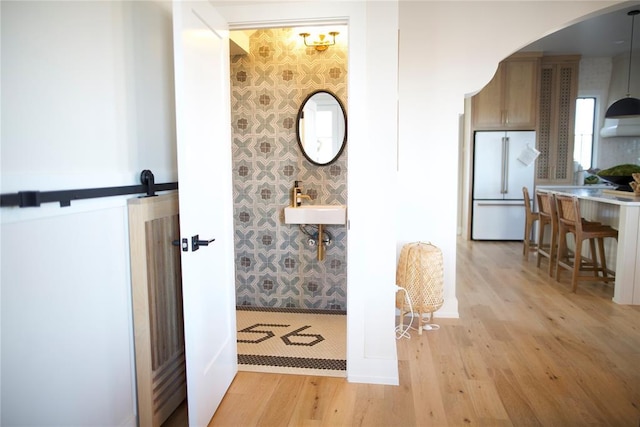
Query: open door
x,y
201,59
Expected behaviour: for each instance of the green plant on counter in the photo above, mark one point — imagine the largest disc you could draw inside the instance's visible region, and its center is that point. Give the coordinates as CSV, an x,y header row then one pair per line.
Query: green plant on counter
x,y
620,170
591,179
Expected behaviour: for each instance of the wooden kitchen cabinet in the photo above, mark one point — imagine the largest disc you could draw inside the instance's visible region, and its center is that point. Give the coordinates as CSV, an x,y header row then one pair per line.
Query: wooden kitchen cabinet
x,y
556,119
510,99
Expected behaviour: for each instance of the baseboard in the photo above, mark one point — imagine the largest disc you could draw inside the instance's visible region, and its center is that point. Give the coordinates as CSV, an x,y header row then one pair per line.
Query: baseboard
x,y
372,380
373,371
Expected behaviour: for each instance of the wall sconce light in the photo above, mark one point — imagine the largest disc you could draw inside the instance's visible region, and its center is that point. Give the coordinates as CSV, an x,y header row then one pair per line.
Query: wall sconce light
x,y
321,44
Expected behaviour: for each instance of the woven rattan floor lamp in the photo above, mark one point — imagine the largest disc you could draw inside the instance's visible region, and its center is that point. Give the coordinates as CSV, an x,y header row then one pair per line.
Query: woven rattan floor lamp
x,y
420,273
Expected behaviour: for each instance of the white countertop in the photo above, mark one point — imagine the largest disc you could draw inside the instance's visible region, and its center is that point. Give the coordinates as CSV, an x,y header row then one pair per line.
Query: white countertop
x,y
593,192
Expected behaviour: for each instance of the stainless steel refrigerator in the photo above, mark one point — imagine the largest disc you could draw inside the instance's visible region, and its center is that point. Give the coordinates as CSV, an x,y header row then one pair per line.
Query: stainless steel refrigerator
x,y
503,163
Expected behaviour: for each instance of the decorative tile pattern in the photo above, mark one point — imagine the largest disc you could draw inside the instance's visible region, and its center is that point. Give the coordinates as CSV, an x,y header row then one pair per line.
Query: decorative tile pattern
x,y
293,362
291,341
275,266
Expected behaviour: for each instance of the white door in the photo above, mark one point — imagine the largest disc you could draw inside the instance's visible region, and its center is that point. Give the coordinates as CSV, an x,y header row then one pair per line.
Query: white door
x,y
201,59
488,163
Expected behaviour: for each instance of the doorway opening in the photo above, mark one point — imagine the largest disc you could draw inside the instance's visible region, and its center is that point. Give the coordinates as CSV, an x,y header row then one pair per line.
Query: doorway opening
x,y
277,273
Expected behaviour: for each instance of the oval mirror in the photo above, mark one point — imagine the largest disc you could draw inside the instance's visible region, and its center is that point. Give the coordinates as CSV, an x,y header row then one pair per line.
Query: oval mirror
x,y
321,127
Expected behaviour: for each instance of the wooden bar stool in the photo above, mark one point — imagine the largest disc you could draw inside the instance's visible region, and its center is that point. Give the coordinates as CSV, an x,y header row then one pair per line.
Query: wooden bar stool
x,y
548,216
530,218
570,221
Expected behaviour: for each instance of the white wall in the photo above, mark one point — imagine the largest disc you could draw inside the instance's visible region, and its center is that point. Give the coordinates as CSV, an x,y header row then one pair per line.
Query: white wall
x,y
66,321
372,181
87,101
449,50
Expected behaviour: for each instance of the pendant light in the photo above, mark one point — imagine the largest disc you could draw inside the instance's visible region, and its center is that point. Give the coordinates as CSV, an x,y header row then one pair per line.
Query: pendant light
x,y
628,106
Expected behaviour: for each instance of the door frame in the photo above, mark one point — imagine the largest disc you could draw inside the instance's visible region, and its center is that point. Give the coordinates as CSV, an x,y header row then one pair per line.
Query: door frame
x,y
371,357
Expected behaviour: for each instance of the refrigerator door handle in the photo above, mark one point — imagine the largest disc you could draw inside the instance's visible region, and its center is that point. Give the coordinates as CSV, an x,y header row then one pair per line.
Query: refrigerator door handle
x,y
505,168
503,165
499,203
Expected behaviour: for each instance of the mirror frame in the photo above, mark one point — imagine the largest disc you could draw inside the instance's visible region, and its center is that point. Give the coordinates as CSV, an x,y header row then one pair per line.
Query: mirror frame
x,y
299,116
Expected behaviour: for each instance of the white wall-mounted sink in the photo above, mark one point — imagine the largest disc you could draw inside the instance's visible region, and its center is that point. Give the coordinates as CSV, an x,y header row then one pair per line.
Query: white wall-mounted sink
x,y
316,214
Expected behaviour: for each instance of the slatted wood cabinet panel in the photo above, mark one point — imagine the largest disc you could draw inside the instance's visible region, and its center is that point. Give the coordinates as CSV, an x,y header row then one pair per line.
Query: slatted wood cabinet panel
x,y
556,119
157,307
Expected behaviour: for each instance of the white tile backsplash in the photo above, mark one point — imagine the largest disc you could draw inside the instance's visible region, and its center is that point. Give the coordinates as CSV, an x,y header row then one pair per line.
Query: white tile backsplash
x,y
618,150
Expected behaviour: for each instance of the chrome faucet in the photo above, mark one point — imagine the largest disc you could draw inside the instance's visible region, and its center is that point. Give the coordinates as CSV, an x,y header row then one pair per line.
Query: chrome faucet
x,y
297,196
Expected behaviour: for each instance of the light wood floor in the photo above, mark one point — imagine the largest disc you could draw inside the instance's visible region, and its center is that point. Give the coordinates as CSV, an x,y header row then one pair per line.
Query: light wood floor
x,y
525,351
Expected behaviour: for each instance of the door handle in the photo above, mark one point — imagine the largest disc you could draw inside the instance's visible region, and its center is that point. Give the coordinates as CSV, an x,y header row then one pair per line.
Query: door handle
x,y
184,244
499,203
505,180
196,242
503,165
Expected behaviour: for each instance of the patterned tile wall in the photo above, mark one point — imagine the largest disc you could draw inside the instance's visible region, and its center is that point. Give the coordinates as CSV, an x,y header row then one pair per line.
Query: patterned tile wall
x,y
274,265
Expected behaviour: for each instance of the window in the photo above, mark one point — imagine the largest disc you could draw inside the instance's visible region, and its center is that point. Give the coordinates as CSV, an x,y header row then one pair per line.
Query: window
x,y
583,143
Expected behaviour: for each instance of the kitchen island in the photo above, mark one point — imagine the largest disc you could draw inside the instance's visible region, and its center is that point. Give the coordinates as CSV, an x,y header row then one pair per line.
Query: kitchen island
x,y
622,212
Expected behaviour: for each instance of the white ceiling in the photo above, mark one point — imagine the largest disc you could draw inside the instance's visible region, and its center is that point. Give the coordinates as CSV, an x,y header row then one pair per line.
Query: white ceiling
x,y
604,35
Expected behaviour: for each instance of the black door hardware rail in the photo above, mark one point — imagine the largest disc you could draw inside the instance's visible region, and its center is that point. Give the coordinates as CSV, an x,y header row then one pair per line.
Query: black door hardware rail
x,y
28,199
